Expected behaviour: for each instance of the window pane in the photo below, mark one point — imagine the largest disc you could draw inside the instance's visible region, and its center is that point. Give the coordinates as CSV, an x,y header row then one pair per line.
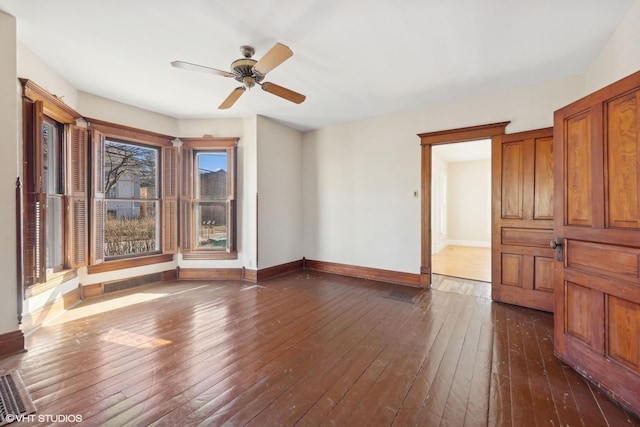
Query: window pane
x,y
212,175
54,232
50,154
131,195
131,228
211,225
130,171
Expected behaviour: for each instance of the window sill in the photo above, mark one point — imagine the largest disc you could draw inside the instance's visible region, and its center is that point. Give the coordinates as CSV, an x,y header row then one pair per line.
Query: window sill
x,y
129,263
202,255
53,280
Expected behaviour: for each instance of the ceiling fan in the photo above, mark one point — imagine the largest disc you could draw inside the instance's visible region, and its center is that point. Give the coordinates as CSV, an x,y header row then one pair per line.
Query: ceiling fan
x,y
250,72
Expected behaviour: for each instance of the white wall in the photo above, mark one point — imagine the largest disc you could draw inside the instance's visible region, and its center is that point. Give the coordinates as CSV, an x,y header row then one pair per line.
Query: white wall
x,y
9,170
469,209
621,55
359,177
31,67
279,194
247,191
96,107
359,209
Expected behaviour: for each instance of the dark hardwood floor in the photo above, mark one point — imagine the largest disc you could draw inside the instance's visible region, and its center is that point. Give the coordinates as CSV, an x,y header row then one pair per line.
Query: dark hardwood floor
x,y
305,349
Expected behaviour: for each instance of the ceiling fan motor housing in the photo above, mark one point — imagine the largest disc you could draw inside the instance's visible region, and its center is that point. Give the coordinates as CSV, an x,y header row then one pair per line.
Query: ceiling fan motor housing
x,y
245,73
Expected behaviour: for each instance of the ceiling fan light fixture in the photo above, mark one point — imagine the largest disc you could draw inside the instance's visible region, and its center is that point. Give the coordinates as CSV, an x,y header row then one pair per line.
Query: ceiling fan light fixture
x,y
248,82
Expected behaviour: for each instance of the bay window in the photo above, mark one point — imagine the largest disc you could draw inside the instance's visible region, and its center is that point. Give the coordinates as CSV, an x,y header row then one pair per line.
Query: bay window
x,y
109,196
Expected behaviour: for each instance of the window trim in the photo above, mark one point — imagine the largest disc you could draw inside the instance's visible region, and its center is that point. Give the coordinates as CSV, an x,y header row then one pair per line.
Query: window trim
x,y
38,104
100,131
187,196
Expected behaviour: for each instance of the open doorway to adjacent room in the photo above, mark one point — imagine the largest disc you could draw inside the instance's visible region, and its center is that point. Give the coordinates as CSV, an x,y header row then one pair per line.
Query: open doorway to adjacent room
x,y
461,210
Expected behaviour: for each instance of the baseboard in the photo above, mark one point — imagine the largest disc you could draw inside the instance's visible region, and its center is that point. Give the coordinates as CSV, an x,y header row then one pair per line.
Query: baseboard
x,y
210,274
390,276
99,289
441,245
250,275
31,321
11,343
472,243
278,270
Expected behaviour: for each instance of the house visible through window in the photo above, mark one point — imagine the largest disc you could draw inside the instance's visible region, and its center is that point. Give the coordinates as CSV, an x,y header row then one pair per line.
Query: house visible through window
x,y
208,190
211,200
132,221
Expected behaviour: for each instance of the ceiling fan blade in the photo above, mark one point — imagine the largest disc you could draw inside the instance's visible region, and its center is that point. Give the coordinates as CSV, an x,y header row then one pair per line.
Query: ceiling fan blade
x,y
283,92
232,98
276,56
202,68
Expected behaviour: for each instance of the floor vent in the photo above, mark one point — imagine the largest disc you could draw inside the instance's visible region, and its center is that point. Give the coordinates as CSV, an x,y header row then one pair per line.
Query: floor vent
x,y
403,296
14,398
120,285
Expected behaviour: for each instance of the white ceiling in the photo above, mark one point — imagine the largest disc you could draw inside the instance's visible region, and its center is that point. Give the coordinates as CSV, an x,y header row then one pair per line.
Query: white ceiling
x,y
463,151
352,58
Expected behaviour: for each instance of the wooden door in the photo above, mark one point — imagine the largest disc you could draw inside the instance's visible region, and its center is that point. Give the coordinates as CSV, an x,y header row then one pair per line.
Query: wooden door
x,y
597,295
522,180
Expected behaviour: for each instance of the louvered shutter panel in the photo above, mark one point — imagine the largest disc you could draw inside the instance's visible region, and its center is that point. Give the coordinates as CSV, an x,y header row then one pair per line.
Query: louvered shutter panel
x,y
169,200
34,255
97,198
78,199
186,199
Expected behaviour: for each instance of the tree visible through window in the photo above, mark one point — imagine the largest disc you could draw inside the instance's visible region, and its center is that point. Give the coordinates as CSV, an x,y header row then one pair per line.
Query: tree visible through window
x,y
131,197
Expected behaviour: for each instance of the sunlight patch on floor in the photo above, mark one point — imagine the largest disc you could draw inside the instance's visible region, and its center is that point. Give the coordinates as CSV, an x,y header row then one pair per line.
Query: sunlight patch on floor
x,y
91,308
131,339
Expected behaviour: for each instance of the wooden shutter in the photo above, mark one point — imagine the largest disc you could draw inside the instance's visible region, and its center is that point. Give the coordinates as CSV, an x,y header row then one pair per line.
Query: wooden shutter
x,y
98,208
186,199
169,200
34,197
77,200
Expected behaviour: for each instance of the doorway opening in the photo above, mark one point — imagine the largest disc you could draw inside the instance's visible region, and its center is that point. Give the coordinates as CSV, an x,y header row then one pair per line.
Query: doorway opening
x,y
461,210
428,141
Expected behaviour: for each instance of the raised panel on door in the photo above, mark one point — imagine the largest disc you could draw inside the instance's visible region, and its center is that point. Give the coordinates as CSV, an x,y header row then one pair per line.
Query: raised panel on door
x,y
543,179
623,330
597,218
523,185
578,148
622,162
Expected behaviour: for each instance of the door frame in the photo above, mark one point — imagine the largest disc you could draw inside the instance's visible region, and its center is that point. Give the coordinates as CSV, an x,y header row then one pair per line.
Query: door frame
x,y
427,141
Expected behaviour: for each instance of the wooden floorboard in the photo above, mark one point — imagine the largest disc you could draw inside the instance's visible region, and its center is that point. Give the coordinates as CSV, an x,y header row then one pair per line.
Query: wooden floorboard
x,y
306,349
466,262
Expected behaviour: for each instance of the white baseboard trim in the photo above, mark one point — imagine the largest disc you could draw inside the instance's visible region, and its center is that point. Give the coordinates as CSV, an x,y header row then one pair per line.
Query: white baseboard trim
x,y
440,246
473,243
